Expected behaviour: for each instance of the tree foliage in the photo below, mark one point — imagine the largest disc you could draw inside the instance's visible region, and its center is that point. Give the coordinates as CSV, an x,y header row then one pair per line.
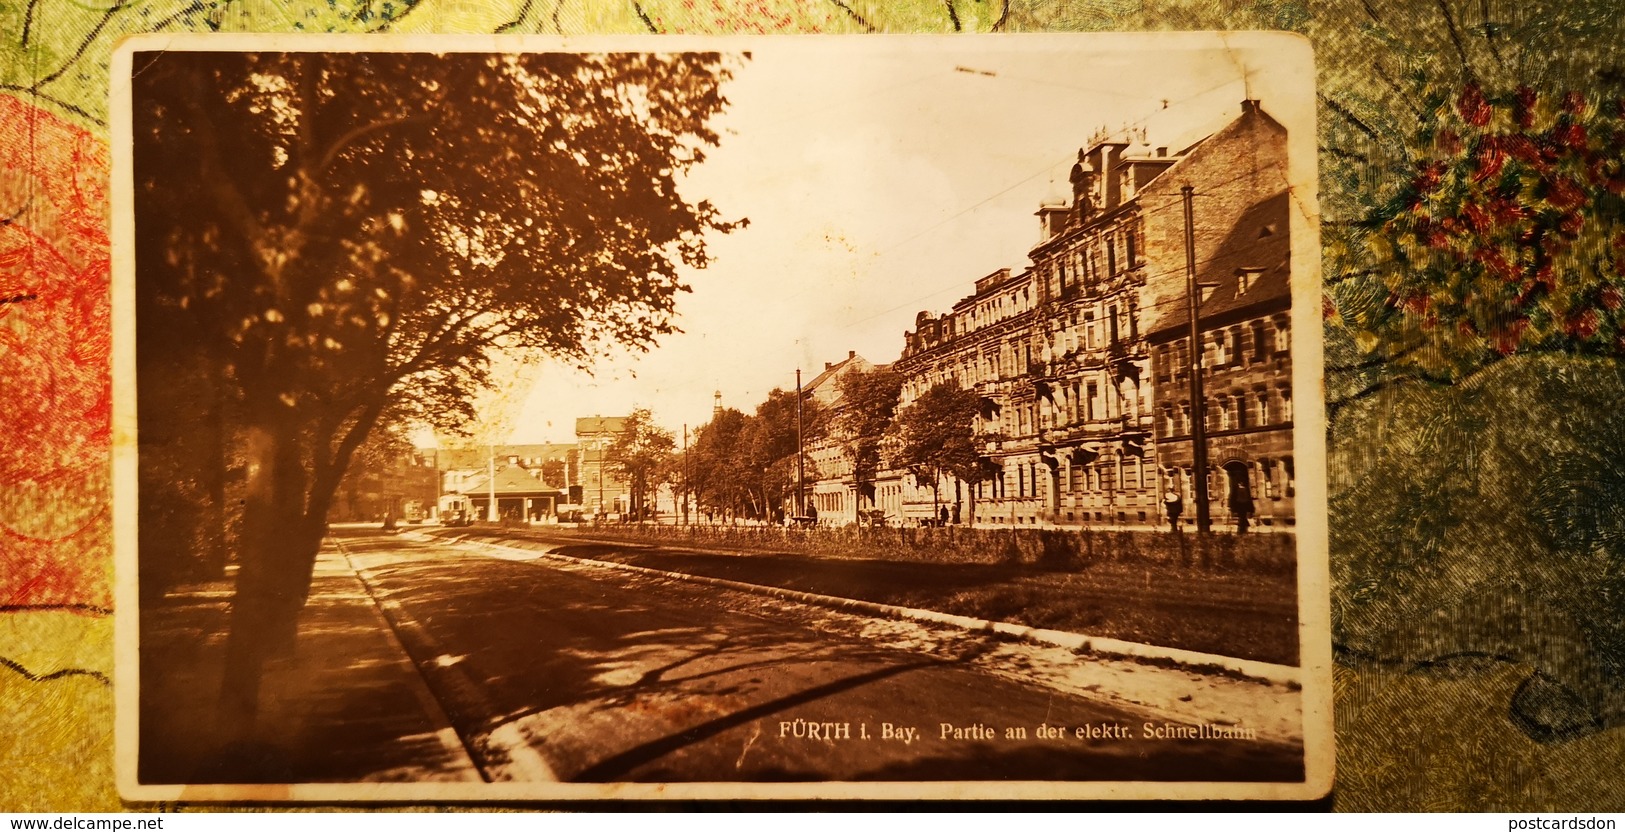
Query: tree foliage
x,y
744,465
641,453
716,464
931,438
772,449
868,404
348,238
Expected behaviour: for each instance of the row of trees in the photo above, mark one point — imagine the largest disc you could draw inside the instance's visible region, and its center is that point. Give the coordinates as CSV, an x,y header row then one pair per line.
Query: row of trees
x,y
745,465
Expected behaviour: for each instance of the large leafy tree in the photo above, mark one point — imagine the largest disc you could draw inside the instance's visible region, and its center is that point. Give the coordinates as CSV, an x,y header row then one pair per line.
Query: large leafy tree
x,y
771,448
931,439
641,453
348,238
715,464
868,404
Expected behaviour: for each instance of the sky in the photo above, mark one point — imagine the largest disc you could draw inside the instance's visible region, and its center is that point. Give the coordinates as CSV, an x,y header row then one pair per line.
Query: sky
x,y
880,179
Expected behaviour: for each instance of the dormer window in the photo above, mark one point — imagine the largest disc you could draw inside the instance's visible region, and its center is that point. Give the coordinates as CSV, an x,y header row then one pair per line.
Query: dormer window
x,y
1247,278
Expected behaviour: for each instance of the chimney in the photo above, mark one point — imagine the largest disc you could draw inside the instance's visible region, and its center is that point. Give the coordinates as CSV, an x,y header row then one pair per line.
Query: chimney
x,y
1162,152
1249,106
828,365
851,354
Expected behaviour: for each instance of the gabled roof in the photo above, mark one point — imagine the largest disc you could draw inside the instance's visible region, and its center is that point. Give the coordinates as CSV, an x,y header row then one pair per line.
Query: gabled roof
x,y
1259,246
511,481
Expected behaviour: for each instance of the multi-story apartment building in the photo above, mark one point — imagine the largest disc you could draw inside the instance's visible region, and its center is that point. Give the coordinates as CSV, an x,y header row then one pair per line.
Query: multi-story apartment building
x,y
1245,327
830,487
1058,353
603,491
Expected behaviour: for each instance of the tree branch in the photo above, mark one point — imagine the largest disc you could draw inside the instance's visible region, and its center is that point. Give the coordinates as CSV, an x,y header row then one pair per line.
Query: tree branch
x,y
354,133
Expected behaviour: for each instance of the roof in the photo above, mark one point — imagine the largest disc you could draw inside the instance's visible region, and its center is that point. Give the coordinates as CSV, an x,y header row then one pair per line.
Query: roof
x,y
458,459
1259,245
511,481
825,387
595,425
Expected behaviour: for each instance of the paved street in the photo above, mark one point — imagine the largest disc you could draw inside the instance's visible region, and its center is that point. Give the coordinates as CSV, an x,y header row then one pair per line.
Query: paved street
x,y
549,670
610,676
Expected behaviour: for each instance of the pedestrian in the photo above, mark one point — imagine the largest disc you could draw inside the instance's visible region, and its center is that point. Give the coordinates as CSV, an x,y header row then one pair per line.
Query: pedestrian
x,y
942,516
1173,506
1241,506
956,514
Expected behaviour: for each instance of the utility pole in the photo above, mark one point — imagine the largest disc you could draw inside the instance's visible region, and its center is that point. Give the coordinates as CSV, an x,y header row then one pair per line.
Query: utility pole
x,y
688,482
801,467
1193,298
491,486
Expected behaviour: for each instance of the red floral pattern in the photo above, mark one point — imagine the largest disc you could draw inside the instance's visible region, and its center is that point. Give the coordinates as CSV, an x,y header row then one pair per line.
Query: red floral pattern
x,y
55,358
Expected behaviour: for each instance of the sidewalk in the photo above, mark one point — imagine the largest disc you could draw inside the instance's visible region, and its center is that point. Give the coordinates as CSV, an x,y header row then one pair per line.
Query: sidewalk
x,y
349,705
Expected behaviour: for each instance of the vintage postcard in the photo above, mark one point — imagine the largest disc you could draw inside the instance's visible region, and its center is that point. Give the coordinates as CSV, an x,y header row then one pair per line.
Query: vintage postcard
x,y
687,418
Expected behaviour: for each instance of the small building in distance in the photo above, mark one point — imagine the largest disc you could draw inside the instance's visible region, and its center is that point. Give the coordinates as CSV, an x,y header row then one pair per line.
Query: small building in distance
x,y
521,496
551,471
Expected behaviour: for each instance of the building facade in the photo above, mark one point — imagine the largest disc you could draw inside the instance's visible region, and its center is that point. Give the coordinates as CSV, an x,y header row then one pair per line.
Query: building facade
x,y
831,489
1245,331
603,490
1059,353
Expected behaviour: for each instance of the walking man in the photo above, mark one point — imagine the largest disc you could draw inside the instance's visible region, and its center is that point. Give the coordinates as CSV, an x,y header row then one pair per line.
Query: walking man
x,y
1173,506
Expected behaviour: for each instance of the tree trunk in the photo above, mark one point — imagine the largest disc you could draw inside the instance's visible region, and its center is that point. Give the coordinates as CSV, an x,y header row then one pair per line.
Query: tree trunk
x,y
276,556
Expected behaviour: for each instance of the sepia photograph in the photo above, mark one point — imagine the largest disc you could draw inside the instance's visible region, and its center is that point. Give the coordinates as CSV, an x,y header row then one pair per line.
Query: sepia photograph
x,y
719,417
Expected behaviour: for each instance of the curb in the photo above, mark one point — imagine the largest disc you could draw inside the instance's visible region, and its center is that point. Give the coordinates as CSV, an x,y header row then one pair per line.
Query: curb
x,y
1261,671
422,692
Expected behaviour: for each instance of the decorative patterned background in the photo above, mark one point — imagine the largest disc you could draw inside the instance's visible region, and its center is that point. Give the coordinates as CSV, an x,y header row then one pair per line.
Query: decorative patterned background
x,y
1479,639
